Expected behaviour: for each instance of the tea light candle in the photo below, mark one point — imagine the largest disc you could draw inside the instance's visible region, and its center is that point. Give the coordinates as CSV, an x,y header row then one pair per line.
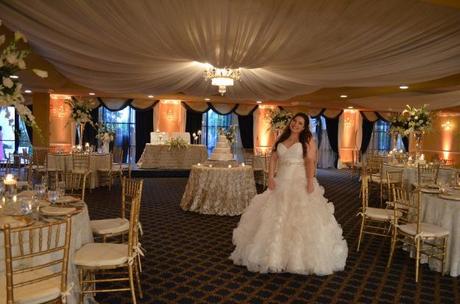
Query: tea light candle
x,y
9,180
210,166
158,130
242,165
79,148
401,151
229,166
15,198
198,164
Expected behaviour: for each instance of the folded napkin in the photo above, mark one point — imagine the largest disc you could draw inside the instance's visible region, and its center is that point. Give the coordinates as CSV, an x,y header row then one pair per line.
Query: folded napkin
x,y
50,210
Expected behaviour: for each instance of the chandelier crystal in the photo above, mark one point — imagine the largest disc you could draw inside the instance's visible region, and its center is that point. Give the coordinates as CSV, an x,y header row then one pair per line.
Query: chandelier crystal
x,y
222,78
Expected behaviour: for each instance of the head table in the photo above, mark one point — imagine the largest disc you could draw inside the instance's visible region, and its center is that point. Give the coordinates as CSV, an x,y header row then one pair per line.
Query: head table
x,y
219,190
166,157
80,235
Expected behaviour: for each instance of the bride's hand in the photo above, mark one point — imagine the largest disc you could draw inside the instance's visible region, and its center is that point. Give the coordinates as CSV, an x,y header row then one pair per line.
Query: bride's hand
x,y
310,187
271,183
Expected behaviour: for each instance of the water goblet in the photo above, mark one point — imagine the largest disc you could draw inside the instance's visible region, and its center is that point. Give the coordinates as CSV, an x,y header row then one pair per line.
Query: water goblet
x,y
52,196
61,189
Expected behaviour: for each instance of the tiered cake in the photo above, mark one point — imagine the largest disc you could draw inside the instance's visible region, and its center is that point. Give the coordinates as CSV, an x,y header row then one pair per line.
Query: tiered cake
x,y
222,151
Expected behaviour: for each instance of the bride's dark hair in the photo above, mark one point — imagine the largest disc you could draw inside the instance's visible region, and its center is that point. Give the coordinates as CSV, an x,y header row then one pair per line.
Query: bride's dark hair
x,y
304,136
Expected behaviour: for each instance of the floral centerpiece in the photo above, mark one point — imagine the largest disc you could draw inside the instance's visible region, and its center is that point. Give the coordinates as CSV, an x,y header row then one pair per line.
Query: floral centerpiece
x,y
230,133
177,143
398,125
419,121
279,119
12,60
105,135
81,115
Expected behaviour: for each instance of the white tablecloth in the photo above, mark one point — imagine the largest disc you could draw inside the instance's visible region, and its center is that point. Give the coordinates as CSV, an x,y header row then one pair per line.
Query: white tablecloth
x,y
410,173
81,234
444,213
97,161
221,191
164,157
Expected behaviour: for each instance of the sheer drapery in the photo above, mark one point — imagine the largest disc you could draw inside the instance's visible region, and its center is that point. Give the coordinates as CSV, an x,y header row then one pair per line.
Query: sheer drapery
x,y
270,40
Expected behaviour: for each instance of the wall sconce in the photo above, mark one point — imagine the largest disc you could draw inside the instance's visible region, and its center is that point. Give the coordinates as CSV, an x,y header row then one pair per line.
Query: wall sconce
x,y
447,126
347,123
170,115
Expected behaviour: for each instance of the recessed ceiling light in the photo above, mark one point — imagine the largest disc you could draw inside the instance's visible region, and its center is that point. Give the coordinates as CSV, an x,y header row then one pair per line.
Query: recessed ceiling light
x,y
343,96
259,101
92,94
150,96
27,91
403,87
350,107
14,76
207,99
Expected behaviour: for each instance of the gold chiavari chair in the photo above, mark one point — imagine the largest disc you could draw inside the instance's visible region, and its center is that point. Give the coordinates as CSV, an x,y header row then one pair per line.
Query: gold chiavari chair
x,y
39,160
374,169
410,232
80,172
107,228
94,258
374,221
36,261
427,174
393,177
119,167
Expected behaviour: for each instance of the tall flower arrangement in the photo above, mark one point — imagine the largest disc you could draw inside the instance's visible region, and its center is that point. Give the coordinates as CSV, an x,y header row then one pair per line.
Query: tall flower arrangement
x,y
278,119
104,133
81,110
12,60
398,124
418,120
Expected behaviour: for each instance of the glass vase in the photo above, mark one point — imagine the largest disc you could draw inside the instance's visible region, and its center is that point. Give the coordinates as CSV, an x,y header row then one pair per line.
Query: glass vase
x,y
418,136
80,130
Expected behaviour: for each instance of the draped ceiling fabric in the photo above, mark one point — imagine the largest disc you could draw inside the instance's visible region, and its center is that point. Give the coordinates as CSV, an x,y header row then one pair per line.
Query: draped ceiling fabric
x,y
284,48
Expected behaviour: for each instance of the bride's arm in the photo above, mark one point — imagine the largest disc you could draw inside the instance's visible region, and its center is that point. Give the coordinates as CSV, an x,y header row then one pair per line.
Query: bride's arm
x,y
310,164
271,170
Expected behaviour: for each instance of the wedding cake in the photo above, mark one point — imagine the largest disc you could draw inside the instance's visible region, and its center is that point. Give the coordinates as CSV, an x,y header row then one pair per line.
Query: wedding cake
x,y
222,151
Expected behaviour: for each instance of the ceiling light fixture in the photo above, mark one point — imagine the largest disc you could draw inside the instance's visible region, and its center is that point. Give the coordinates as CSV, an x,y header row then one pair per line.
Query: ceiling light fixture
x,y
403,87
259,101
343,96
14,76
92,94
207,99
150,96
27,91
222,78
350,107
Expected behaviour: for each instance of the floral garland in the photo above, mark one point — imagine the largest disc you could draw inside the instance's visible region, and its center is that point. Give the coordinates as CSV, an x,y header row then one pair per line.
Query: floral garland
x,y
81,110
278,119
12,60
418,120
177,143
104,133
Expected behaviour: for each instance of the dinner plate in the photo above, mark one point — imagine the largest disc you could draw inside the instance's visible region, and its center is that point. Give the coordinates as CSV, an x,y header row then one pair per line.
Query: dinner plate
x,y
53,211
430,190
67,199
15,221
450,197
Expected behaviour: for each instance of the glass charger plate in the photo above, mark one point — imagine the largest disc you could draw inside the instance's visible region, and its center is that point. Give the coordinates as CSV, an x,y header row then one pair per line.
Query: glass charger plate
x,y
59,211
450,197
67,199
15,221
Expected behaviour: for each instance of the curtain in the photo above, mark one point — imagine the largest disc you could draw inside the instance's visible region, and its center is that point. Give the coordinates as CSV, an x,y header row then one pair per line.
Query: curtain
x,y
368,127
90,132
144,125
193,122
332,127
326,157
405,141
246,124
30,131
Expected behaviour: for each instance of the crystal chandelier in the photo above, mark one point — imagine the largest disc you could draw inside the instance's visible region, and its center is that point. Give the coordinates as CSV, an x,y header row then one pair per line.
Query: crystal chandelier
x,y
222,78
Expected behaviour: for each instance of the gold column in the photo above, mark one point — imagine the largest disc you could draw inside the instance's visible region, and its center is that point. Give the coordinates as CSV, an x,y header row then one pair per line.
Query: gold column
x,y
41,111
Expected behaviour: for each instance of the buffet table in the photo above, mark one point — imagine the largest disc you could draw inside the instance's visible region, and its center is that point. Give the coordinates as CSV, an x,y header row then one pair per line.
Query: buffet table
x,y
445,213
221,191
165,157
80,235
63,162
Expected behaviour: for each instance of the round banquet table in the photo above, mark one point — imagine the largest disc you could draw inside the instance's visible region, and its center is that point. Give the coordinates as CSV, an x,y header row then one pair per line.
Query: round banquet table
x,y
80,235
445,213
221,191
410,173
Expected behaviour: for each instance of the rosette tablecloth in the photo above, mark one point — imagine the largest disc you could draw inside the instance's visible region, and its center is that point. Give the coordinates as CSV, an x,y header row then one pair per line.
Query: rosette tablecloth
x,y
166,157
221,191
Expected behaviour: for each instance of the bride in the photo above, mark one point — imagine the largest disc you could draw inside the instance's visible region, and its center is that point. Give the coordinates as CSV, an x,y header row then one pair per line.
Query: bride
x,y
291,226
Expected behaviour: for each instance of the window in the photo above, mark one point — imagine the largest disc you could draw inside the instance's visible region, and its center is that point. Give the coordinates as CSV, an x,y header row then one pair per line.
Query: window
x,y
123,122
7,138
381,140
212,121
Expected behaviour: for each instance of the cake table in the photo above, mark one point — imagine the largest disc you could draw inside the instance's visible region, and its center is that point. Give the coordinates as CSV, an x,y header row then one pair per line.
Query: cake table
x,y
219,190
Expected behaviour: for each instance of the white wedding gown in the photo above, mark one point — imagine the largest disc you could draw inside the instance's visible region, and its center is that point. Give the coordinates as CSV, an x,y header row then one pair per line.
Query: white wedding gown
x,y
288,229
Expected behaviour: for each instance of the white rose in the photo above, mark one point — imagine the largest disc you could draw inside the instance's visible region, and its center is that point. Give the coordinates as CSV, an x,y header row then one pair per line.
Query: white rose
x,y
18,36
22,64
7,82
11,58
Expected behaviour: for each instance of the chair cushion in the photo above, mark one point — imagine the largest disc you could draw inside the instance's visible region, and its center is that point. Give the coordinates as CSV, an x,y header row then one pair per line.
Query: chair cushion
x,y
39,292
109,226
80,171
379,213
375,178
427,230
101,254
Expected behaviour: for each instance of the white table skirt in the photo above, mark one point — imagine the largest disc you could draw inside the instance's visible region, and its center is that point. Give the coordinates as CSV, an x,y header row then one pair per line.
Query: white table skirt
x,y
444,213
221,191
81,235
96,161
410,173
164,157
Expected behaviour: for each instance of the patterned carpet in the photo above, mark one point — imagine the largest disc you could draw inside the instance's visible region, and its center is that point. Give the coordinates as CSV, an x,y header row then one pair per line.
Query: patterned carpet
x,y
187,257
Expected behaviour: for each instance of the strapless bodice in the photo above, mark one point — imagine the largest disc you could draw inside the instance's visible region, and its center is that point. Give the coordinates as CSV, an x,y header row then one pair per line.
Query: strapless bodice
x,y
290,162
